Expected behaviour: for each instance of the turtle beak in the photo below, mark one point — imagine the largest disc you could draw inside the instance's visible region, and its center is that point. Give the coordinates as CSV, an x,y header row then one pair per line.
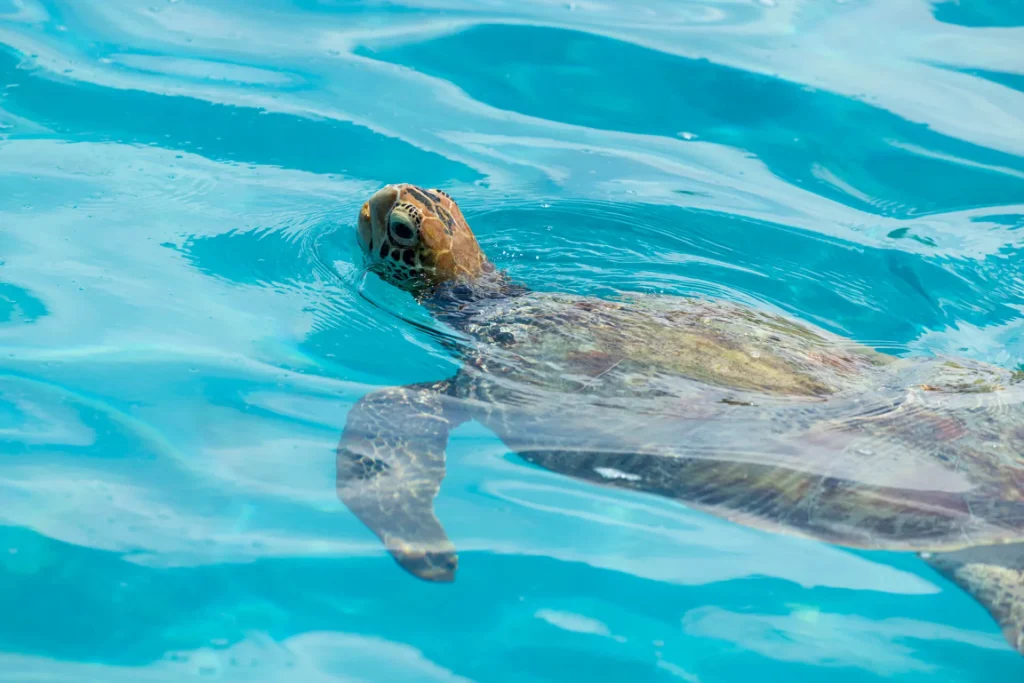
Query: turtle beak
x,y
364,229
373,216
381,203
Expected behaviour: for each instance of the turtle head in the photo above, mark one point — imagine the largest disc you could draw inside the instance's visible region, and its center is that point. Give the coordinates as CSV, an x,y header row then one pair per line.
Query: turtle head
x,y
417,239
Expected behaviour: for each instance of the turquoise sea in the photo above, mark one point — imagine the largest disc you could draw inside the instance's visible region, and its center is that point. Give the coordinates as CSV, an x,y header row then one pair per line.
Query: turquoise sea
x,y
185,322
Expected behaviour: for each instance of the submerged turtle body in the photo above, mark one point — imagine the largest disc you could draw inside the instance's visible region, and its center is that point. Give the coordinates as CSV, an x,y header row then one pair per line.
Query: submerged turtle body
x,y
748,415
566,342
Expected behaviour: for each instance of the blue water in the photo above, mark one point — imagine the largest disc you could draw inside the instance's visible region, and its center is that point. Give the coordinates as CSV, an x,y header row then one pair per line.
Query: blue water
x,y
184,322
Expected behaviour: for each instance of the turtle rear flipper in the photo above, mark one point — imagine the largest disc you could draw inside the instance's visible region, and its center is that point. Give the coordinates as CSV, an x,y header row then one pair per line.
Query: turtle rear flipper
x,y
390,463
994,576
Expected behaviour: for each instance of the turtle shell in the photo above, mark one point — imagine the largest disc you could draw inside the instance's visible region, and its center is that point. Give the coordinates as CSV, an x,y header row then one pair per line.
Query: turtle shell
x,y
754,417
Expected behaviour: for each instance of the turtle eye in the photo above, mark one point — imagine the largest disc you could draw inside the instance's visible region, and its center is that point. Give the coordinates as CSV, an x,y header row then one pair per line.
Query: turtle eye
x,y
402,232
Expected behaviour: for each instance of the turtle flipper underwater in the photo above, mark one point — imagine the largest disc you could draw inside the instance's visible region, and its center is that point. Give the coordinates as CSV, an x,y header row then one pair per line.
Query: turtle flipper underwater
x,y
745,414
994,575
390,469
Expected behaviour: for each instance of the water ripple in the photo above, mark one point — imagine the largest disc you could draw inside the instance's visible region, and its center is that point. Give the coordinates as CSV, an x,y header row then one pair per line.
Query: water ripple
x,y
185,319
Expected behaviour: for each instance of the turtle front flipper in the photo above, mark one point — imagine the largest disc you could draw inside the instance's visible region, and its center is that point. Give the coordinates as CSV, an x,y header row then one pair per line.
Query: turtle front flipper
x,y
390,463
994,576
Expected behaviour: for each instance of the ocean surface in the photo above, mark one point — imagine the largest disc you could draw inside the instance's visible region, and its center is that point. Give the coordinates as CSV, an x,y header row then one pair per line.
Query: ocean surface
x,y
185,321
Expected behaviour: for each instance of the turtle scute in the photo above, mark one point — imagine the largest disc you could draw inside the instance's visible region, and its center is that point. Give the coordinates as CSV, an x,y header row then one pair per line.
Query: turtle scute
x,y
638,346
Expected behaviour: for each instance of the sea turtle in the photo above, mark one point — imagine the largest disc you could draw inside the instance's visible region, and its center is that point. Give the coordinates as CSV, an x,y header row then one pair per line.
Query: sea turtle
x,y
743,413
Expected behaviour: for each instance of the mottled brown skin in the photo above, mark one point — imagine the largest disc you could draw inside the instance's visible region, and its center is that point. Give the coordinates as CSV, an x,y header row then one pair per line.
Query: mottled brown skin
x,y
744,414
419,238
